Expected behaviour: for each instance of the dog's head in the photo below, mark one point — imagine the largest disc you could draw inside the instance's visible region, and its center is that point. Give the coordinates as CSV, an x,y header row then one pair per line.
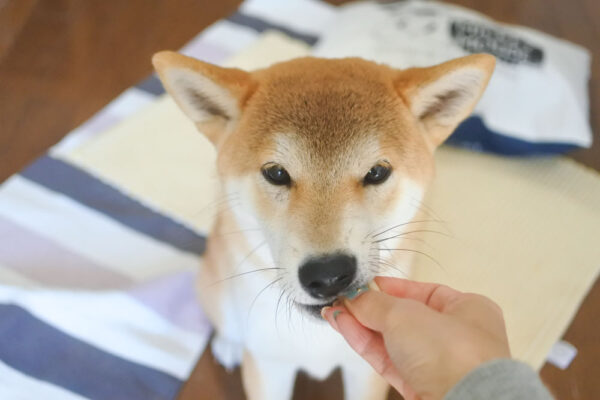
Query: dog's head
x,y
326,154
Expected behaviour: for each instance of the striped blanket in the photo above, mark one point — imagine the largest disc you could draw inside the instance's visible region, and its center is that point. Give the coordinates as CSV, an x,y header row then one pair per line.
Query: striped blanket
x,y
96,285
101,237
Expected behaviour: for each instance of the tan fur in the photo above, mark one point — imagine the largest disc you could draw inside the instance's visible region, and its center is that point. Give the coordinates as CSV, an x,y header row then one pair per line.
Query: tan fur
x,y
327,122
334,109
329,104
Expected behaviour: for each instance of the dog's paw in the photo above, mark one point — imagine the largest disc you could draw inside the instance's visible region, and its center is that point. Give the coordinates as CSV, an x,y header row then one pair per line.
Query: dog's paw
x,y
228,353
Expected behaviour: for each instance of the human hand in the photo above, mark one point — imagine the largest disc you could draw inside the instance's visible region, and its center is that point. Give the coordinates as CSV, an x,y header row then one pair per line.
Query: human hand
x,y
422,338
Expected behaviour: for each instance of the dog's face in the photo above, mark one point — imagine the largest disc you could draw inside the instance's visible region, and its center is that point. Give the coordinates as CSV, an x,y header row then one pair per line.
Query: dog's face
x,y
327,155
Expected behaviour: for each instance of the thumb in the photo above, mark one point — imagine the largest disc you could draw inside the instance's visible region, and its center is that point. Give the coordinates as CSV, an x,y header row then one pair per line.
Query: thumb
x,y
381,312
369,345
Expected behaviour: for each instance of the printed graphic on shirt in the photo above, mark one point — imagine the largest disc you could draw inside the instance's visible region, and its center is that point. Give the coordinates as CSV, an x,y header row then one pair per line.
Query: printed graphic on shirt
x,y
478,38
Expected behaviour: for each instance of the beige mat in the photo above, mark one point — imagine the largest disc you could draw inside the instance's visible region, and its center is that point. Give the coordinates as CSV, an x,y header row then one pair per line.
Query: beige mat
x,y
525,232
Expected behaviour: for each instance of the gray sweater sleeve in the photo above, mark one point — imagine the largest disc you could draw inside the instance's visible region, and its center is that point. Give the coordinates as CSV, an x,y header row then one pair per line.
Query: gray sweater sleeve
x,y
501,379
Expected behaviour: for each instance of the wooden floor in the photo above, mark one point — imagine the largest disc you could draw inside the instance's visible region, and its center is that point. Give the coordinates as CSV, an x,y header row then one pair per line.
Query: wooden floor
x,y
63,60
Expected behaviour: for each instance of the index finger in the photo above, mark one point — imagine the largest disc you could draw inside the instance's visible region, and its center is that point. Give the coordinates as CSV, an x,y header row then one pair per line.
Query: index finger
x,y
433,295
367,343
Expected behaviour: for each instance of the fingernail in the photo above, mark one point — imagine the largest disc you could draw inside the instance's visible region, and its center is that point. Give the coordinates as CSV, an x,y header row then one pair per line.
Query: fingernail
x,y
331,321
355,292
334,324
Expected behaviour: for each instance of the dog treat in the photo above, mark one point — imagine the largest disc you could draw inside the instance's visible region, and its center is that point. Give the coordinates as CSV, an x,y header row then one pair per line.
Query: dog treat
x,y
352,293
373,286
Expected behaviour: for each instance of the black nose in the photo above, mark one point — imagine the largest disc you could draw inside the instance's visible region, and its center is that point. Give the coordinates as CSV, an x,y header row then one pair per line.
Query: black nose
x,y
328,275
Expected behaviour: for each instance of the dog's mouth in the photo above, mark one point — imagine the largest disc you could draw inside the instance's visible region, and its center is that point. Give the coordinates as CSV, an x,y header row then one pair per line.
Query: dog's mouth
x,y
314,309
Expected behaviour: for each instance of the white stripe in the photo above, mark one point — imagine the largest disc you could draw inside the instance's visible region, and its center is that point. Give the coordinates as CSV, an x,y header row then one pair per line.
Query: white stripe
x,y
204,51
115,323
227,35
87,232
12,278
126,104
129,102
304,16
15,385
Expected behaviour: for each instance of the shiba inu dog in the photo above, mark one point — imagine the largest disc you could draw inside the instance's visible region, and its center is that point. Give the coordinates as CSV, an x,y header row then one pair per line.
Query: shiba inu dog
x,y
322,164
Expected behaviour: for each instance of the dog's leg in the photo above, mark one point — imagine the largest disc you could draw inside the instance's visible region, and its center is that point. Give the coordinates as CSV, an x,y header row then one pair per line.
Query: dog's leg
x,y
267,380
362,383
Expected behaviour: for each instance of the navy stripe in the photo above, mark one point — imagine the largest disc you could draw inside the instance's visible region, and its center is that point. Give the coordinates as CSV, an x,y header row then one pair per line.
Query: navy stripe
x,y
260,25
43,352
475,135
151,85
79,185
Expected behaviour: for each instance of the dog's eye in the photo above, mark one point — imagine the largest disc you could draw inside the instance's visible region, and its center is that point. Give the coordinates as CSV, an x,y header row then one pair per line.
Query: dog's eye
x,y
276,174
378,174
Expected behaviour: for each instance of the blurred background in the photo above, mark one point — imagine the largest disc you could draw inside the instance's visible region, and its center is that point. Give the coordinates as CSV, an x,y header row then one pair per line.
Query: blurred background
x,y
61,61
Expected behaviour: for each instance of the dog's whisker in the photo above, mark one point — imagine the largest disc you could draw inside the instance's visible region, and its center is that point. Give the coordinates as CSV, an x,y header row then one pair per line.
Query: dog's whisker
x,y
234,232
283,292
279,302
247,256
400,225
420,240
418,252
258,295
302,324
290,304
426,208
221,200
225,208
426,213
242,274
407,233
393,266
373,266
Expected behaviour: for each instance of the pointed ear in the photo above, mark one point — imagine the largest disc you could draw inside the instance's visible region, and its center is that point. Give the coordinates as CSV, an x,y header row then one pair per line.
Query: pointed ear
x,y
213,97
440,97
